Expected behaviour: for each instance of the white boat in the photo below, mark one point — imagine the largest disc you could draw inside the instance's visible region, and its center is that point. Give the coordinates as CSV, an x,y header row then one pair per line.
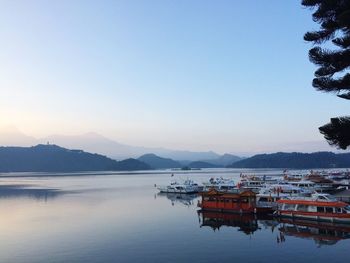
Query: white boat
x,y
304,184
186,187
255,183
269,195
321,207
252,184
219,184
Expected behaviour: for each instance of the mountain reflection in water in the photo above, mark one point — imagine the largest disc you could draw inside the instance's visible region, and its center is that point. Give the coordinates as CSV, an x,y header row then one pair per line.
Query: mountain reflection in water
x,y
29,191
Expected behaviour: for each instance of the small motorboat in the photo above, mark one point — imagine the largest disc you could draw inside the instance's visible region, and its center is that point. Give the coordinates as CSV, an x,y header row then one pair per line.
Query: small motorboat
x,y
219,184
186,187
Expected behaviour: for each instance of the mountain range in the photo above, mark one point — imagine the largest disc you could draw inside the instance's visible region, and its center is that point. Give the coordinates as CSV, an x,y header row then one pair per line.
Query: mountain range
x,y
96,143
157,162
52,158
296,160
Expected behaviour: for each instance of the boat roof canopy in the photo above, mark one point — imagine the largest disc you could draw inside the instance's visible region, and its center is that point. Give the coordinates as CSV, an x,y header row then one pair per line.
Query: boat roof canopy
x,y
244,193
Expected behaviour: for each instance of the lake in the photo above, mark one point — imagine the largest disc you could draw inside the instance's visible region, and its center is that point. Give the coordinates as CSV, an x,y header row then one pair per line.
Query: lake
x,y
120,217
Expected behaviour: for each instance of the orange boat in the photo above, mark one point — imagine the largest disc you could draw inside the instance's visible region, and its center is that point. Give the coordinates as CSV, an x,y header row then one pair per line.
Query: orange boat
x,y
321,207
240,201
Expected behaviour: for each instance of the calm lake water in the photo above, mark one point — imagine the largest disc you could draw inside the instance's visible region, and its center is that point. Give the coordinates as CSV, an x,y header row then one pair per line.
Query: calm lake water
x,y
120,217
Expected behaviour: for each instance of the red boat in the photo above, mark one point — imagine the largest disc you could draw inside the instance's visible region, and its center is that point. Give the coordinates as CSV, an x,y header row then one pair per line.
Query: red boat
x,y
241,201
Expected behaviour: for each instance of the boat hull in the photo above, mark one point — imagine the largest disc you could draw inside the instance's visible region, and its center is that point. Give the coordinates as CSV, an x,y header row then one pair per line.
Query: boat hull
x,y
339,218
177,191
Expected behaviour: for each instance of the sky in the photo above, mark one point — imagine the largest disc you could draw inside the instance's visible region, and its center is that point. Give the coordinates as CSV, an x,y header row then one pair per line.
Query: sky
x,y
227,76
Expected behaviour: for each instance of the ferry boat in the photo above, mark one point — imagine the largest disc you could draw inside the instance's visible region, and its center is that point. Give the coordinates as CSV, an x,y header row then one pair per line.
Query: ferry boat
x,y
269,195
322,184
186,187
293,177
240,201
322,207
219,184
255,183
304,184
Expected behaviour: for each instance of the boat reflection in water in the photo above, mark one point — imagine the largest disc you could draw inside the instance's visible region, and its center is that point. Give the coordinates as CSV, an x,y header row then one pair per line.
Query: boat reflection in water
x,y
246,223
184,199
323,233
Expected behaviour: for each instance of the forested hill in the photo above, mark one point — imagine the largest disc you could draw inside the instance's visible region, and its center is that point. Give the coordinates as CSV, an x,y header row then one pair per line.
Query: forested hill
x,y
52,158
296,160
157,162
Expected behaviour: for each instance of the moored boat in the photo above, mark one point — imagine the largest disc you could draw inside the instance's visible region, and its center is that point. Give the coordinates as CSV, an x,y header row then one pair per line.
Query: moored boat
x,y
269,195
219,184
322,207
241,201
186,187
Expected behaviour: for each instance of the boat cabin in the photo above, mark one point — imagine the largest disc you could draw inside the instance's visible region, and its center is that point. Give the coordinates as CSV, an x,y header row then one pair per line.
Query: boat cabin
x,y
239,202
320,208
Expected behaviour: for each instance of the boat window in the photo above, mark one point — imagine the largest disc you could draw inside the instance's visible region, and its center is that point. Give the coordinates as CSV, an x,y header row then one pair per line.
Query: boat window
x,y
329,209
303,208
244,200
208,198
347,208
289,207
322,231
339,210
331,232
234,201
263,199
320,209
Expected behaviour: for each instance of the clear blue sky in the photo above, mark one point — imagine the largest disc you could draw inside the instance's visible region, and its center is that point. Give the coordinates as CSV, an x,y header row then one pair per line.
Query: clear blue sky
x,y
229,76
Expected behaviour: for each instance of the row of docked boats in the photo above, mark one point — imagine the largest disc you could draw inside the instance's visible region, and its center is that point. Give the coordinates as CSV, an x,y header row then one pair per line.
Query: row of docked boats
x,y
321,232
306,197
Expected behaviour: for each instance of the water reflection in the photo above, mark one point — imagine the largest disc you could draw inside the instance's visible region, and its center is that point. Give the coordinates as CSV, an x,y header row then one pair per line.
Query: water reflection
x,y
183,199
247,224
323,233
29,191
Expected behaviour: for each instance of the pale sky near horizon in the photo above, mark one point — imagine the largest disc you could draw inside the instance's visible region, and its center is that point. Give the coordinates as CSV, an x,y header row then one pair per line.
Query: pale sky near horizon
x,y
228,76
